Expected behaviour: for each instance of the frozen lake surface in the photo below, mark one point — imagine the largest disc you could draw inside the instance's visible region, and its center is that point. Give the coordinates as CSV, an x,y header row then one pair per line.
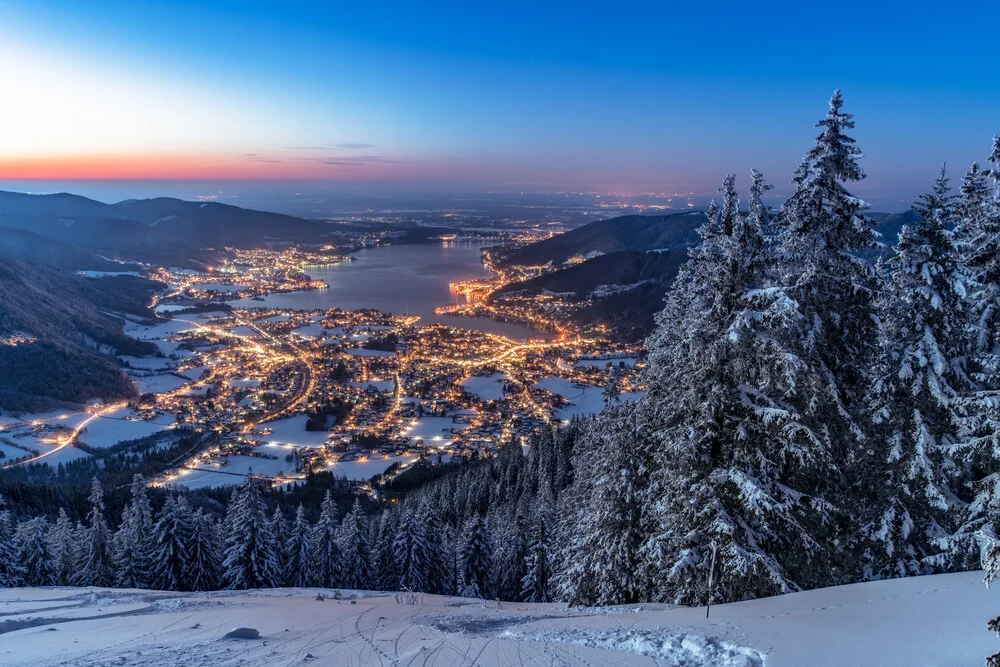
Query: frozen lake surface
x,y
398,279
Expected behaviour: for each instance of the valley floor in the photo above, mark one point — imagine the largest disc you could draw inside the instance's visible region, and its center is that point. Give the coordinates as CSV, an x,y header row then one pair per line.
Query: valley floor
x,y
936,620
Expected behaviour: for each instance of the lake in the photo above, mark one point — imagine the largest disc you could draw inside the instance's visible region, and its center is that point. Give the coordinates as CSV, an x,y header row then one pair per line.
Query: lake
x,y
410,278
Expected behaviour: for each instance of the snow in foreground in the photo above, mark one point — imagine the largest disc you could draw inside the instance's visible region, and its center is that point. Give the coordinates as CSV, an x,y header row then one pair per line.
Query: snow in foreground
x,y
938,620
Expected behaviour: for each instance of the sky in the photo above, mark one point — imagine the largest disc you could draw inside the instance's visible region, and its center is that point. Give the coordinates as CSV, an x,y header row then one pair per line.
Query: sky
x,y
535,96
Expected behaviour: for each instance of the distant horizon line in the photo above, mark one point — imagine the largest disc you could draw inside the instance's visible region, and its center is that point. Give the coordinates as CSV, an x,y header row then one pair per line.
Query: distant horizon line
x,y
355,187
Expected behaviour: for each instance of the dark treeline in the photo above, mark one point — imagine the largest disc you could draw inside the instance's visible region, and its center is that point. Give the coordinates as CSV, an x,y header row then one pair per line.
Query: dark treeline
x,y
482,529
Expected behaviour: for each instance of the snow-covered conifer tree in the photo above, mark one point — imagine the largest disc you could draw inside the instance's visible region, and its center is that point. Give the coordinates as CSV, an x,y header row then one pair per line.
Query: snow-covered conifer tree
x,y
477,559
450,561
386,574
279,527
739,462
354,550
510,539
918,389
11,571
830,291
132,545
297,557
324,546
410,553
61,540
611,392
820,313
96,567
535,585
251,549
978,230
171,538
203,553
34,553
604,524
428,513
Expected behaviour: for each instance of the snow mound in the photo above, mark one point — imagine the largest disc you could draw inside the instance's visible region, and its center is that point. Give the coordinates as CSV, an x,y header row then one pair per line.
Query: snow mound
x,y
243,633
675,650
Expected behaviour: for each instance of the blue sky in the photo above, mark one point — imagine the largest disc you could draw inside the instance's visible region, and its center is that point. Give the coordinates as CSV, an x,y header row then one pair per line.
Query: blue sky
x,y
540,96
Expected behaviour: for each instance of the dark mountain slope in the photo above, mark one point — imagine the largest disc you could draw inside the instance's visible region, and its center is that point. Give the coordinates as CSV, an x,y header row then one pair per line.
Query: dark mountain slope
x,y
638,281
26,246
890,224
57,320
617,268
216,224
161,231
632,232
62,204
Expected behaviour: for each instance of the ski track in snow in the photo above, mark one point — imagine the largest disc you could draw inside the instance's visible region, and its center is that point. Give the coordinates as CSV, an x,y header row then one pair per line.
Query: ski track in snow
x,y
936,620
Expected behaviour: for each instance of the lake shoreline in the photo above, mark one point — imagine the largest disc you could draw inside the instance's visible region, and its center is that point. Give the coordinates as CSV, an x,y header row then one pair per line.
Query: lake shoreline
x,y
399,279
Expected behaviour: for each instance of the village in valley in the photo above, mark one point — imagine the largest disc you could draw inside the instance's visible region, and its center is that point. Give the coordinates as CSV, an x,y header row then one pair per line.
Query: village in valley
x,y
283,392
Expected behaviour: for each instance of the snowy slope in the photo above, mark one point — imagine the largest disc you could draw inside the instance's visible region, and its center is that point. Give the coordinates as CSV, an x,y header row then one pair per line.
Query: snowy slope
x,y
937,620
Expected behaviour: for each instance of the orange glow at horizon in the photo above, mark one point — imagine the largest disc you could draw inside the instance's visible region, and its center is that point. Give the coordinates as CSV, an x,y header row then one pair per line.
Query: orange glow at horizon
x,y
182,167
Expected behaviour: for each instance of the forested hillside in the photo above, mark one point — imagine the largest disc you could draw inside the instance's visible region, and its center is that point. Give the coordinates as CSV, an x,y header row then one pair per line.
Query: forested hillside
x,y
675,231
622,290
52,321
26,246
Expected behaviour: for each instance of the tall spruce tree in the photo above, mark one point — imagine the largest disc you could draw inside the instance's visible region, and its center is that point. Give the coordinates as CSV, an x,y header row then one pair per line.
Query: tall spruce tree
x,y
384,553
605,524
324,546
978,232
354,550
132,546
536,581
96,567
61,540
724,486
279,527
203,551
824,318
251,549
409,549
920,381
297,561
172,534
11,570
477,559
978,229
34,553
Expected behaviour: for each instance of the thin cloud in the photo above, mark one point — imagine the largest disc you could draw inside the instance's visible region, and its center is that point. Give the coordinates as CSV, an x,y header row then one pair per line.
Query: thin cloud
x,y
358,161
346,145
256,157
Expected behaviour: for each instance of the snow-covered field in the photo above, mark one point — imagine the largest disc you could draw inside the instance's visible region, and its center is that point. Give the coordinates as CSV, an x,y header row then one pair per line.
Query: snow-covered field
x,y
292,431
158,384
206,475
373,464
121,425
433,430
937,620
310,330
583,400
487,387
